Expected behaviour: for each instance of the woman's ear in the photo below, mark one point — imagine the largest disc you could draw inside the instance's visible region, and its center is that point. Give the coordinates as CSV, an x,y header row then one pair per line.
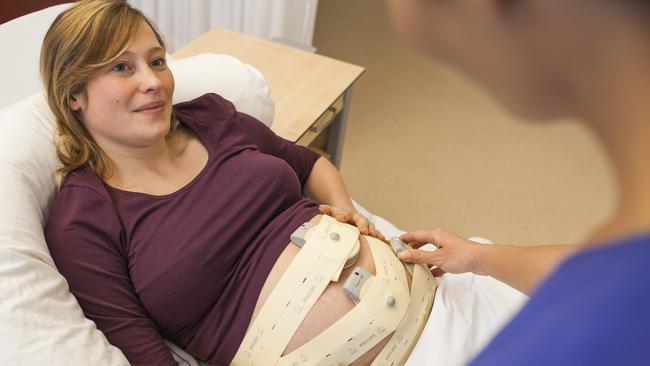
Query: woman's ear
x,y
75,103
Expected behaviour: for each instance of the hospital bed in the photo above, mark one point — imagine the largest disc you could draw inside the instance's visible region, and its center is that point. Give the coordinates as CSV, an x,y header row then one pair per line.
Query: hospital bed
x,y
40,320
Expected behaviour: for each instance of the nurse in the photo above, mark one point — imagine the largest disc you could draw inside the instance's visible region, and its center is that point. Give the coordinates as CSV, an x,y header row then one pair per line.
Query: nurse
x,y
547,59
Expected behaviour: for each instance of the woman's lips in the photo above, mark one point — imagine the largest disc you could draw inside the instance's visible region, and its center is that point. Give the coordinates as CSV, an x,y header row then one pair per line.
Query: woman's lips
x,y
151,108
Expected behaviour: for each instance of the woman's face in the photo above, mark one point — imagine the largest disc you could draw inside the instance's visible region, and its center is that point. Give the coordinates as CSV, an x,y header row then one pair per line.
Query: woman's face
x,y
129,104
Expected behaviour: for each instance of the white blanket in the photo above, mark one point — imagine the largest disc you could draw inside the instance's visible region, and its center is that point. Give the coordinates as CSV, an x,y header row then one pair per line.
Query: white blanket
x,y
468,311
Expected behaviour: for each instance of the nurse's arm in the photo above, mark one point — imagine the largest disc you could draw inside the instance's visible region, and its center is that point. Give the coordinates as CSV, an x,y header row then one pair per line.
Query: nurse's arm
x,y
521,267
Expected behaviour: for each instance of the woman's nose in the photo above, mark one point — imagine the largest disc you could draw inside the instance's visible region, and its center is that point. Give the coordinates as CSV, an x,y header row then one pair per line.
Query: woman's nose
x,y
149,80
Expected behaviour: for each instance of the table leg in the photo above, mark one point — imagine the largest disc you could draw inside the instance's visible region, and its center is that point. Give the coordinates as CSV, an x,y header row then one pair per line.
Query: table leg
x,y
337,130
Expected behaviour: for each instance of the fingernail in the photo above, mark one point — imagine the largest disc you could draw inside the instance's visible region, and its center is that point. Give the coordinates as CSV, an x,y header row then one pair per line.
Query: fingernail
x,y
404,255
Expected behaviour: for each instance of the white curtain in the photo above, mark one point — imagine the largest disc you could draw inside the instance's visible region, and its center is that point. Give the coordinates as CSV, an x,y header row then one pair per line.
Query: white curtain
x,y
181,21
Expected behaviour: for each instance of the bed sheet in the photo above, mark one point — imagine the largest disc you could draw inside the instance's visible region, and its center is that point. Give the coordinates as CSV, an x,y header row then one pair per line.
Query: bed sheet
x,y
468,310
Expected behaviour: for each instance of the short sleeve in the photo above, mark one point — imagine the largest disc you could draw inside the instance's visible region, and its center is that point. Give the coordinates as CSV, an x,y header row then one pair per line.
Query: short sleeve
x,y
84,236
212,113
300,158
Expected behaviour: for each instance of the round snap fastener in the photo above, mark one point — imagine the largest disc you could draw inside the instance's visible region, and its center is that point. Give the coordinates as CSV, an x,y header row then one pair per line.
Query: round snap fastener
x,y
335,236
390,301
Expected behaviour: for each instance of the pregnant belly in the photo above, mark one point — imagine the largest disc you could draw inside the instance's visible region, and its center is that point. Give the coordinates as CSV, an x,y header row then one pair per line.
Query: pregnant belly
x,y
331,305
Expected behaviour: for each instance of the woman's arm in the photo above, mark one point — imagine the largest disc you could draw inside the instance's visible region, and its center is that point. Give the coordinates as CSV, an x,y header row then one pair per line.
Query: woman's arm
x,y
83,235
325,185
319,178
522,267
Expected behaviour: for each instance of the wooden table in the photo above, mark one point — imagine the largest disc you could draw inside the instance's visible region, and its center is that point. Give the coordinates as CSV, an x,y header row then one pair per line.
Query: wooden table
x,y
311,92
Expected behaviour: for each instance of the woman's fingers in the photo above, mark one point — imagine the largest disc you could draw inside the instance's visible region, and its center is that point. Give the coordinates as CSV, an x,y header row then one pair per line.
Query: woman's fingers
x,y
366,227
376,233
339,214
347,216
343,215
362,223
354,218
325,210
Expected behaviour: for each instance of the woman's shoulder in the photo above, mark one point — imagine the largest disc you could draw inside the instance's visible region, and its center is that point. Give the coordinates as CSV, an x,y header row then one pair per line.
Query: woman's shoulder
x,y
205,108
83,219
216,122
82,206
83,177
82,193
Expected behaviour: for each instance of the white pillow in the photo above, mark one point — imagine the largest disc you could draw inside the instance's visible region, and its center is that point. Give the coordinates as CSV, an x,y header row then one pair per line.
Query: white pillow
x,y
240,83
21,44
40,321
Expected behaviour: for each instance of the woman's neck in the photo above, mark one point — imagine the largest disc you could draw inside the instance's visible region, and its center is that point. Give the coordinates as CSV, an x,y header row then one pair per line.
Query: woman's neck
x,y
131,167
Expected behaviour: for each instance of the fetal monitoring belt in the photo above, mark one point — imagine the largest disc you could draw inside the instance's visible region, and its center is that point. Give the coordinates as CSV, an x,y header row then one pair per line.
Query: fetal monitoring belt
x,y
383,301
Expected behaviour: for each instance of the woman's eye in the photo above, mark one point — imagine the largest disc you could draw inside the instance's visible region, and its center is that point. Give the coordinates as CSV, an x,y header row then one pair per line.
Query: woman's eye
x,y
121,67
159,62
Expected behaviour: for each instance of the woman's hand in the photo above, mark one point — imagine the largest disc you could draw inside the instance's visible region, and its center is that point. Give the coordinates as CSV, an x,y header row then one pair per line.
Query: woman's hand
x,y
352,217
454,254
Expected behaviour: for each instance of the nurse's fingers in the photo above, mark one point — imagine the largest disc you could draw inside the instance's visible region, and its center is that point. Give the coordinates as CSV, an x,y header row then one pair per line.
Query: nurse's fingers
x,y
421,256
419,238
437,272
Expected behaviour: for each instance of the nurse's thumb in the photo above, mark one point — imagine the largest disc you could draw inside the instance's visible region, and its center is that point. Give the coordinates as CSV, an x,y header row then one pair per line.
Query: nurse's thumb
x,y
405,255
419,256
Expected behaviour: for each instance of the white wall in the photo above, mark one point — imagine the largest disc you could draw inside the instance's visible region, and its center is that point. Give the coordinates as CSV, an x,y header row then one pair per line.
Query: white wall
x,y
181,21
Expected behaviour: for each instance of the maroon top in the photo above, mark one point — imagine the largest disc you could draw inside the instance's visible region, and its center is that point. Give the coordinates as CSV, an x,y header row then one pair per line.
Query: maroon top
x,y
187,266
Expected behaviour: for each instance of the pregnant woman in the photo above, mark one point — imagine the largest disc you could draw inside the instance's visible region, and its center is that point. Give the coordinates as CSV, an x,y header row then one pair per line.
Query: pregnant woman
x,y
174,221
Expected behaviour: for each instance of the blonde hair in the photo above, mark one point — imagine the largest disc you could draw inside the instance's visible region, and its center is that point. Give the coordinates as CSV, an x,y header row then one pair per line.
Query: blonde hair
x,y
80,43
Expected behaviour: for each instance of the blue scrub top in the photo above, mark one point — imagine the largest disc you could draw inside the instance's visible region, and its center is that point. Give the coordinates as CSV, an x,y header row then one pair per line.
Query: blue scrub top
x,y
593,310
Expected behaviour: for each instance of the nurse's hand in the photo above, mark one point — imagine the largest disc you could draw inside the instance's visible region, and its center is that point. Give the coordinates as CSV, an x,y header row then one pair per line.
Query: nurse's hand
x,y
352,217
454,254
